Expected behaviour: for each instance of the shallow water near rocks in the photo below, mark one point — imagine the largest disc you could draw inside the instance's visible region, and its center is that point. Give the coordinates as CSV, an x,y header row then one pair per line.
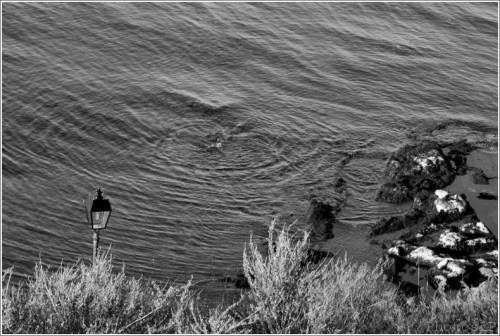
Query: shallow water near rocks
x,y
487,210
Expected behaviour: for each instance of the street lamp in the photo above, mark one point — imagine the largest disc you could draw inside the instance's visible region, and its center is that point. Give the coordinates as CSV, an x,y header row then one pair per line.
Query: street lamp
x,y
98,210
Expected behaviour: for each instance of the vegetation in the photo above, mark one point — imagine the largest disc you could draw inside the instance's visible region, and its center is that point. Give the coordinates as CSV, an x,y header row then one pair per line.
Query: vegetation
x,y
287,294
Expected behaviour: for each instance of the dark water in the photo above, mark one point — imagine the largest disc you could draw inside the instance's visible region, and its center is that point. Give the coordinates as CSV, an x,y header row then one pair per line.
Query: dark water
x,y
203,121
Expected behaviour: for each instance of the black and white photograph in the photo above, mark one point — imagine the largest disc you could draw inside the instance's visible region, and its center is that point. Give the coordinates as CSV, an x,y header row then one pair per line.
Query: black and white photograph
x,y
249,167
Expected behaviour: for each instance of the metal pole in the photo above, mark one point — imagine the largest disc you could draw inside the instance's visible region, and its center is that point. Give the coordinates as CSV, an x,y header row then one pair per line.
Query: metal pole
x,y
96,245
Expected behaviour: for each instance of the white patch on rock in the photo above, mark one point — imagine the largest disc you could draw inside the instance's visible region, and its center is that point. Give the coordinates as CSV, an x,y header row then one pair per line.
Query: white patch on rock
x,y
424,255
426,159
442,264
481,227
419,235
440,279
474,228
450,239
440,193
447,202
493,253
478,241
455,269
400,245
394,251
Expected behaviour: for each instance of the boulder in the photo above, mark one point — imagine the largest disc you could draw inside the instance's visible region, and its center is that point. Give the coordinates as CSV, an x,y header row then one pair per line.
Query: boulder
x,y
239,280
447,203
439,207
487,196
414,168
444,280
450,239
478,177
477,228
458,155
320,218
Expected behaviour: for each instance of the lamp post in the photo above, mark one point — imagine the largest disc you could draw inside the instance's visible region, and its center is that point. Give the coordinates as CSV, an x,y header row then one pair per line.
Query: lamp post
x,y
98,210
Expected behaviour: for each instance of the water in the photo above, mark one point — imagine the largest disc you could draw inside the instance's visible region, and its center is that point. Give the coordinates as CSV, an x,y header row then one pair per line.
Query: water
x,y
203,121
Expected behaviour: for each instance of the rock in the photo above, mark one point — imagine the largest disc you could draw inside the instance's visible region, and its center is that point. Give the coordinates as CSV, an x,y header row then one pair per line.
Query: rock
x,y
415,217
444,279
408,288
440,280
448,203
475,229
470,238
424,256
414,168
441,193
441,230
427,208
457,154
455,269
397,251
431,228
487,196
442,264
461,253
340,185
493,253
450,239
320,217
239,281
478,177
479,244
428,160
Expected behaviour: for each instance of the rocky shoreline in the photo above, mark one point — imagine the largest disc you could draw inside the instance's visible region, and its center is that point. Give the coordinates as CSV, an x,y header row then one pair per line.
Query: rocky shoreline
x,y
441,234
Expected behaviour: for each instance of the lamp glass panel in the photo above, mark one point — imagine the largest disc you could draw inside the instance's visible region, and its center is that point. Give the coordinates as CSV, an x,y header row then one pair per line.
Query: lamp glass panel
x,y
99,219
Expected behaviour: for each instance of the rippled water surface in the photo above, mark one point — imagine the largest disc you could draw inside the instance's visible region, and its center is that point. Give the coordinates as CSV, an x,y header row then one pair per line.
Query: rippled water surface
x,y
203,121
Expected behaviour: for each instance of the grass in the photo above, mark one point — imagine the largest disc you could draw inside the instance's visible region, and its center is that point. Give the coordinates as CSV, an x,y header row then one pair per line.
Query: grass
x,y
83,299
287,295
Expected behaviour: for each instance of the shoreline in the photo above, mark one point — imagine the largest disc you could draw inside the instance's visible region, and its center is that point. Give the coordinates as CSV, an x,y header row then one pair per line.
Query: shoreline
x,y
449,234
486,210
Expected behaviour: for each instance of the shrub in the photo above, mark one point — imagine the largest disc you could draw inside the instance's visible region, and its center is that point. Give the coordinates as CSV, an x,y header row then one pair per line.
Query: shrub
x,y
83,299
473,310
291,295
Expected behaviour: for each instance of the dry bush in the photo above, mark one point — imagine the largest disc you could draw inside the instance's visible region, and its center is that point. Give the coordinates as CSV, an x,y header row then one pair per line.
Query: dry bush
x,y
291,295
